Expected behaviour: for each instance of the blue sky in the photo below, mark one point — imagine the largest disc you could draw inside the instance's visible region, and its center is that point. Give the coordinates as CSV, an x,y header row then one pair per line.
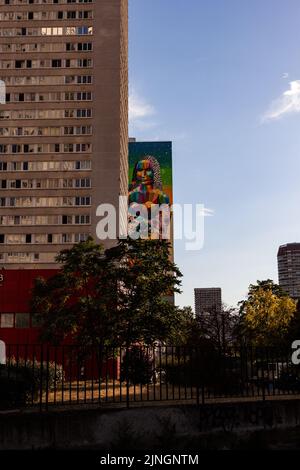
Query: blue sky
x,y
221,79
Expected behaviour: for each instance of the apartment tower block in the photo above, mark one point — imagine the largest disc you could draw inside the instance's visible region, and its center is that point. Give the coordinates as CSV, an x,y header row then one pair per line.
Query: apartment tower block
x,y
208,300
64,123
289,269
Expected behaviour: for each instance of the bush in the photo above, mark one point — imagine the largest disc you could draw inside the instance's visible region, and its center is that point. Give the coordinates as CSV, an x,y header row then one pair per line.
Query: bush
x,y
15,387
38,371
137,366
288,381
218,374
21,381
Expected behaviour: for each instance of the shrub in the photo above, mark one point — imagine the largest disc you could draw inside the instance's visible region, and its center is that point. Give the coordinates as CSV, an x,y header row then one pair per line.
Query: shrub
x,y
15,387
137,366
289,381
215,372
21,381
38,371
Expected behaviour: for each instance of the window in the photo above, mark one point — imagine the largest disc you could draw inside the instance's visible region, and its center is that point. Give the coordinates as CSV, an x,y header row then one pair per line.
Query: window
x,y
22,320
7,320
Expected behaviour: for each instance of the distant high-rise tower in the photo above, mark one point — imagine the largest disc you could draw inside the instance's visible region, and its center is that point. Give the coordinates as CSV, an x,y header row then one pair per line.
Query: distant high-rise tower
x,y
289,268
64,125
208,300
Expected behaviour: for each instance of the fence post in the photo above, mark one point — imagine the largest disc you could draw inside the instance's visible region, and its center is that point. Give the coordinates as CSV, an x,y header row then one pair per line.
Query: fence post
x,y
47,379
203,385
263,393
41,377
127,377
264,382
198,383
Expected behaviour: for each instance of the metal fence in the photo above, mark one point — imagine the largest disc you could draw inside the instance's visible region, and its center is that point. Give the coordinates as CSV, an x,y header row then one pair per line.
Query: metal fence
x,y
44,376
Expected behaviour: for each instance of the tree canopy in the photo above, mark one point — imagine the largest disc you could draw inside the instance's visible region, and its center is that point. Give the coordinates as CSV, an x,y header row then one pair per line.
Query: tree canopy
x,y
266,314
119,296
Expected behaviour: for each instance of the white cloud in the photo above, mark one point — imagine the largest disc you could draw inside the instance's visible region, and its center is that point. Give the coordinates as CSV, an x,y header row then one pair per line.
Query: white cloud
x,y
208,212
144,121
139,111
287,103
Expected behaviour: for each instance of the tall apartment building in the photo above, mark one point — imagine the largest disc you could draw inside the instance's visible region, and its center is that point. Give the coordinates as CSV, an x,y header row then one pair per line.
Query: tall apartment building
x,y
64,126
289,268
208,300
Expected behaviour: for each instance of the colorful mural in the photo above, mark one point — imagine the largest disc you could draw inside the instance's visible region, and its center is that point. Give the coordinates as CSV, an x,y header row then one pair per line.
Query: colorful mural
x,y
150,173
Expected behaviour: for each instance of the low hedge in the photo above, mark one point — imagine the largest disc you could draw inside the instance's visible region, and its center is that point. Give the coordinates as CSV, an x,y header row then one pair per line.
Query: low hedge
x,y
21,381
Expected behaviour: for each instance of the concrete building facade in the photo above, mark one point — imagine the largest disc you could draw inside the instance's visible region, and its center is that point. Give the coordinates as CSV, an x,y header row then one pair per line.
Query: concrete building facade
x,y
289,268
64,125
208,300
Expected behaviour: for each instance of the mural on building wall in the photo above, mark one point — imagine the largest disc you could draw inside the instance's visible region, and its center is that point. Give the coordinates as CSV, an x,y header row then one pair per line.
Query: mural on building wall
x,y
150,173
150,184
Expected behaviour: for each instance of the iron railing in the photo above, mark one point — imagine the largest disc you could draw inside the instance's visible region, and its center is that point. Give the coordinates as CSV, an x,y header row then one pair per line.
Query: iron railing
x,y
43,376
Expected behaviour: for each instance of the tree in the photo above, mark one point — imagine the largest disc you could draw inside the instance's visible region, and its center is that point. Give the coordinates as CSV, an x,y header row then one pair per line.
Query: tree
x,y
294,327
74,302
117,297
266,285
218,326
146,281
266,314
189,332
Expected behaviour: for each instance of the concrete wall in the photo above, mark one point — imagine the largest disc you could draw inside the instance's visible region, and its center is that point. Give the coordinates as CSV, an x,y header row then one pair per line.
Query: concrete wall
x,y
143,427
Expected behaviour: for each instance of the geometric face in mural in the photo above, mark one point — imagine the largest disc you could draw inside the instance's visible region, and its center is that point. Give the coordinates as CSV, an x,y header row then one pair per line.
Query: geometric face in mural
x,y
150,173
146,184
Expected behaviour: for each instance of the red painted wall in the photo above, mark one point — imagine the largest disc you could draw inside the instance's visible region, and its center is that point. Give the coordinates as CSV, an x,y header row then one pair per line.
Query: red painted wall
x,y
15,293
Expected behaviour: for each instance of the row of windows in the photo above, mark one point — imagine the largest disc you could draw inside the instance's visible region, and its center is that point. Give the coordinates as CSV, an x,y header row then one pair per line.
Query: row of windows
x,y
44,131
42,2
46,15
46,63
24,201
46,114
47,47
17,320
42,238
48,97
52,31
12,258
57,183
44,220
45,148
81,165
48,80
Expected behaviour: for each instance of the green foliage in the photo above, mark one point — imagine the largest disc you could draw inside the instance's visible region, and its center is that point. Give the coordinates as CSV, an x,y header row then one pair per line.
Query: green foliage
x,y
117,297
21,381
15,387
289,381
137,366
267,286
145,279
205,368
40,372
266,315
216,328
74,302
